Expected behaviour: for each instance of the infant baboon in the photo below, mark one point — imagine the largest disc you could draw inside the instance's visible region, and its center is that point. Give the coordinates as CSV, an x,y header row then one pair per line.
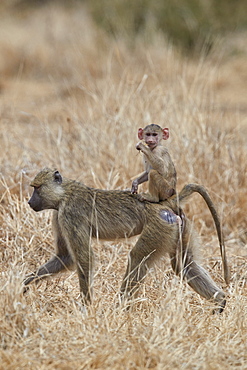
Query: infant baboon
x,y
159,169
82,212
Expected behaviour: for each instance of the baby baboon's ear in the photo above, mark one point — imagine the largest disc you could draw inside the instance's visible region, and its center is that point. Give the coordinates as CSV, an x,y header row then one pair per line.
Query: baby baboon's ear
x,y
57,177
165,132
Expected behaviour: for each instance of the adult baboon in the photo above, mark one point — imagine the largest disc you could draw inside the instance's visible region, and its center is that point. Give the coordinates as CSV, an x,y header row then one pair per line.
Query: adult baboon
x,y
82,212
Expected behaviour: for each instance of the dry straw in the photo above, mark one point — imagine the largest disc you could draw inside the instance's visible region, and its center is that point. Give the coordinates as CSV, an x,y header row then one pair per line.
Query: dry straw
x,y
73,99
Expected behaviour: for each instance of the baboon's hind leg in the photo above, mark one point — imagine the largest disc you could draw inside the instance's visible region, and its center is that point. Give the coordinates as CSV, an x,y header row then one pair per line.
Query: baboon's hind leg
x,y
139,260
198,279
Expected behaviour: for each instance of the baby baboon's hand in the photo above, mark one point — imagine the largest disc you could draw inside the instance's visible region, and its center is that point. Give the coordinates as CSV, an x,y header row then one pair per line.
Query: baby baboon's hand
x,y
139,145
134,187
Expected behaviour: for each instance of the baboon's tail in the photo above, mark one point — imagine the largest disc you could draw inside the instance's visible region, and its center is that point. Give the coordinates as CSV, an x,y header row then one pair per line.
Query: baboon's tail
x,y
196,188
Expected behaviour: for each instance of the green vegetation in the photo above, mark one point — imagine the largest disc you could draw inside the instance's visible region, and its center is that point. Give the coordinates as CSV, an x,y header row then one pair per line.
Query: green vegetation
x,y
190,24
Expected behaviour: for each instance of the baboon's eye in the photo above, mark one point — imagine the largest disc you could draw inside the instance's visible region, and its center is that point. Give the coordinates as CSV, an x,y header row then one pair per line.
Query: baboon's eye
x,y
58,177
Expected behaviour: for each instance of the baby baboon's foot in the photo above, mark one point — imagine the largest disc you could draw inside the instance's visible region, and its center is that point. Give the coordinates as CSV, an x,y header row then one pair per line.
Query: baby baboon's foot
x,y
146,197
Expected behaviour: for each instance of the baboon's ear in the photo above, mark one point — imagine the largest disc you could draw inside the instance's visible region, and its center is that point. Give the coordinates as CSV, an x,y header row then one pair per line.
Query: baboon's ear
x,y
165,132
140,133
57,177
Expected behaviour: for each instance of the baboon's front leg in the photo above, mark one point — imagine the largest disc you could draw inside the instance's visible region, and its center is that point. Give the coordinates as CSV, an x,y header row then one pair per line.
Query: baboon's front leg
x,y
80,247
85,275
55,265
61,261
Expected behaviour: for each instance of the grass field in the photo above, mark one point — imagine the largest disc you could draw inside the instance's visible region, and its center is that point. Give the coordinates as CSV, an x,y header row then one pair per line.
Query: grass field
x,y
73,99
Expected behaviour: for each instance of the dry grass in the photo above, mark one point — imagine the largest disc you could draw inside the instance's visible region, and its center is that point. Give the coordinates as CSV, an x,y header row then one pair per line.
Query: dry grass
x,y
73,99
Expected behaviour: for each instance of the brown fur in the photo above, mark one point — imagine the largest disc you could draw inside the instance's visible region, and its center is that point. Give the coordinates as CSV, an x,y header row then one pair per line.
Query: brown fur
x,y
82,212
159,169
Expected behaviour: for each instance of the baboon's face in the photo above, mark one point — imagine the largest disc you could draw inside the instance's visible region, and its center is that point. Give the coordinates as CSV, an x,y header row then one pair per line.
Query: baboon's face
x,y
153,135
35,201
47,190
